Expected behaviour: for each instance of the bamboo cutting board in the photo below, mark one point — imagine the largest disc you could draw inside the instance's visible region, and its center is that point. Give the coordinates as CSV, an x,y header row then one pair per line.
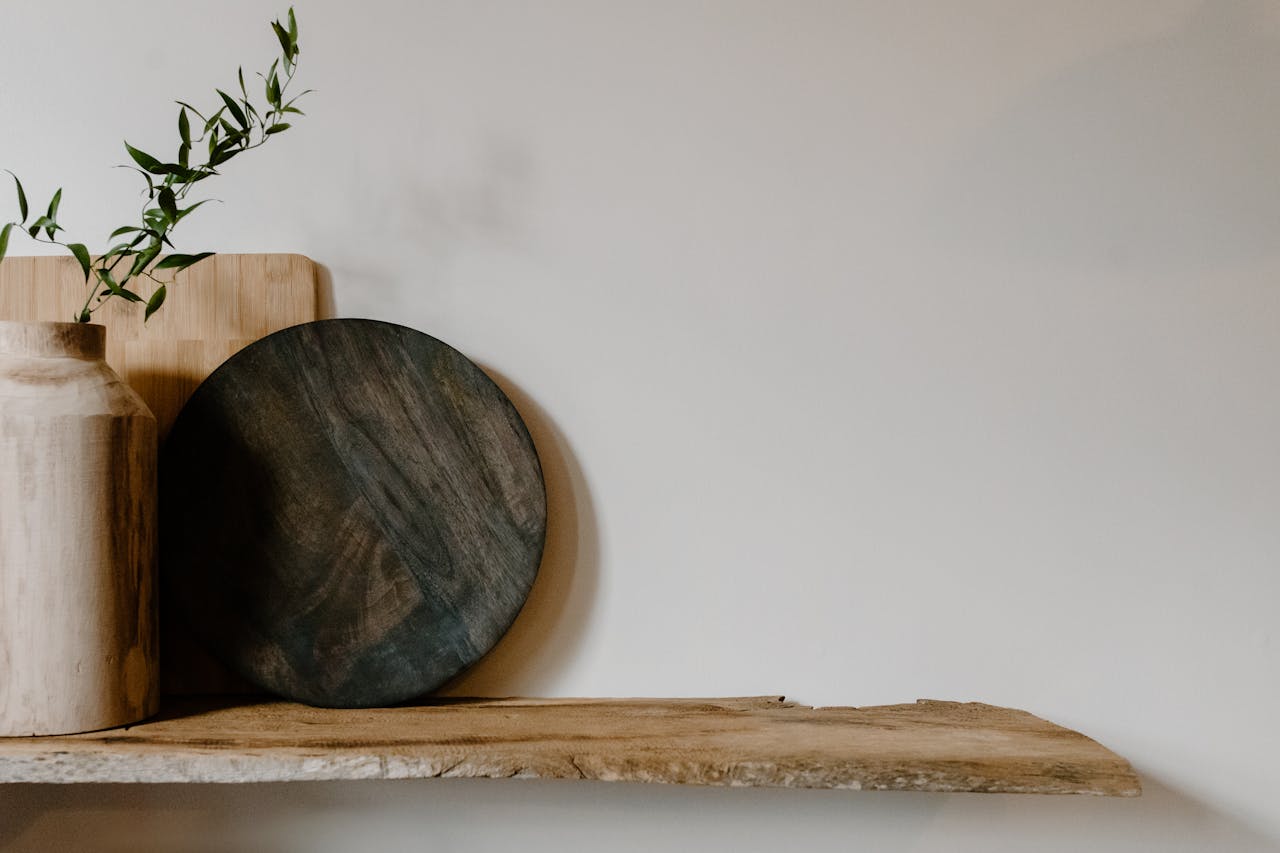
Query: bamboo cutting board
x,y
214,309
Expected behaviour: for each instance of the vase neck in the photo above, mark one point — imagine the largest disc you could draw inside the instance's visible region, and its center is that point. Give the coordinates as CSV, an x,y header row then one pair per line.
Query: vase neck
x,y
53,340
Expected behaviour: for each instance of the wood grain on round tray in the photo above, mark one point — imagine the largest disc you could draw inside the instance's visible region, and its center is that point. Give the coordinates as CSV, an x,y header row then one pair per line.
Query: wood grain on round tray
x,y
351,513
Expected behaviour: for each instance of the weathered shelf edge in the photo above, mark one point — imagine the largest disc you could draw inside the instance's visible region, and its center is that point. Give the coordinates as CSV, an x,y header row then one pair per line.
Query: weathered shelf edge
x,y
746,742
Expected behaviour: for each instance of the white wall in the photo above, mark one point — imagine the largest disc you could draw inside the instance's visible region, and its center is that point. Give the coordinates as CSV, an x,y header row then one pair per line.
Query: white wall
x,y
876,350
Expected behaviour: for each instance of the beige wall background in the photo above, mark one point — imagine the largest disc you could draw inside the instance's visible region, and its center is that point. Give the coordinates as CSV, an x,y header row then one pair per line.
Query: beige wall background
x,y
875,350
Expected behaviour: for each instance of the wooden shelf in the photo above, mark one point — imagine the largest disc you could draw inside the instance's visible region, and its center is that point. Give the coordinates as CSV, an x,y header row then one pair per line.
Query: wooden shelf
x,y
927,746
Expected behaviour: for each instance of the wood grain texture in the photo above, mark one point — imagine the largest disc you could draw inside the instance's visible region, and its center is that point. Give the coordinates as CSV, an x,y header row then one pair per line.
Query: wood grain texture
x,y
214,309
78,626
927,746
353,513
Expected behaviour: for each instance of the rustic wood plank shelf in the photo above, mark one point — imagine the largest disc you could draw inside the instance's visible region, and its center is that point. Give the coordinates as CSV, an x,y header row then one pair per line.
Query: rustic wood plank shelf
x,y
763,741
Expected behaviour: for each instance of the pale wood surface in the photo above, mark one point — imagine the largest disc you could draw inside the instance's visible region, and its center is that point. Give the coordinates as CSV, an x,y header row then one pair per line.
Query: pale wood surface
x,y
78,645
763,741
213,310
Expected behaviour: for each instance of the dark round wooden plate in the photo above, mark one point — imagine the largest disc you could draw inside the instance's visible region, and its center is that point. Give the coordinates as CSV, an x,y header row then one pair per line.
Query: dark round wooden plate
x,y
351,513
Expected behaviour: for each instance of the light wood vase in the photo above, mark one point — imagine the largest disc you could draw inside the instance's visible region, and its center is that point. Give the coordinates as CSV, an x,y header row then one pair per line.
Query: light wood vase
x,y
78,641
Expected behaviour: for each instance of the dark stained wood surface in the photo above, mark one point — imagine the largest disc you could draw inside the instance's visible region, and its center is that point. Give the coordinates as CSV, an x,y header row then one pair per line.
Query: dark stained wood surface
x,y
351,513
926,746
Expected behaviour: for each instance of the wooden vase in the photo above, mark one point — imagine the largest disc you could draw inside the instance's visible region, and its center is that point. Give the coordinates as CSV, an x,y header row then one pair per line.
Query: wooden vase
x,y
78,641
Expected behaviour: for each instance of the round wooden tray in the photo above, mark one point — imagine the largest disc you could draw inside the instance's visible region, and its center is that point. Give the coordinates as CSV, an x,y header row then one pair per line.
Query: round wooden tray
x,y
351,513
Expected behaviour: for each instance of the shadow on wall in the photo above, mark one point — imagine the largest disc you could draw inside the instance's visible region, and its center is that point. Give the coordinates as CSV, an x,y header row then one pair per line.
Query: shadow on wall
x,y
1148,156
546,634
493,814
325,307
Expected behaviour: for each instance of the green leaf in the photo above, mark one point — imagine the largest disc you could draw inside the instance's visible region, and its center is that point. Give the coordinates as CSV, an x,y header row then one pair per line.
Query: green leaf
x,y
169,204
273,90
4,239
184,154
154,303
116,289
271,72
22,198
156,219
184,127
233,134
180,173
226,149
52,215
292,110
181,262
128,229
296,98
234,109
151,187
47,224
122,249
193,109
293,29
143,259
243,90
82,255
184,212
278,128
282,34
145,160
213,120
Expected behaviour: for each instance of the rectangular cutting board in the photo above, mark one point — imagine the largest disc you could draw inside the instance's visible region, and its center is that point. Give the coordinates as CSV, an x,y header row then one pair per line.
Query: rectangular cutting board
x,y
213,310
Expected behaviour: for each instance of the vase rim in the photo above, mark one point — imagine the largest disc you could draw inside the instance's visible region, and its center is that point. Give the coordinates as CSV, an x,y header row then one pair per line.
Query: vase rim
x,y
52,339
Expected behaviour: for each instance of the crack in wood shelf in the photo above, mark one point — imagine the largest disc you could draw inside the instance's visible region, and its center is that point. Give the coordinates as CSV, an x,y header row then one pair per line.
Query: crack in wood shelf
x,y
758,741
